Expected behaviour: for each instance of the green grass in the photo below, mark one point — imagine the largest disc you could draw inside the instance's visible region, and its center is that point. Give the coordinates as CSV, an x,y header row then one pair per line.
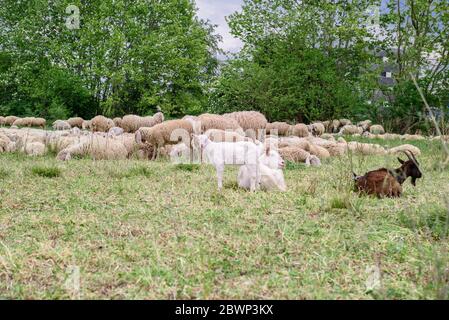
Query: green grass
x,y
46,172
143,230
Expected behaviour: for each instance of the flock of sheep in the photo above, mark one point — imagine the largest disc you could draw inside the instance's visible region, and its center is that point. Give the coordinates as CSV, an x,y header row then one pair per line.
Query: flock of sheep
x,y
243,134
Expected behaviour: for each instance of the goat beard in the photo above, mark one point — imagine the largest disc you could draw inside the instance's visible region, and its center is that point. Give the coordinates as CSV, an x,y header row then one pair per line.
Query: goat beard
x,y
414,182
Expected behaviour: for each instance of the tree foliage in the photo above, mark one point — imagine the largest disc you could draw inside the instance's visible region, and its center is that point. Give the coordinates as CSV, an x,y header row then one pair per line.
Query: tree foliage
x,y
126,57
309,60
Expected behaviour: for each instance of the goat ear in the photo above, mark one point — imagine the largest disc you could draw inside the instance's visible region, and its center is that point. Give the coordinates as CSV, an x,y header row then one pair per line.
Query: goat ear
x,y
401,161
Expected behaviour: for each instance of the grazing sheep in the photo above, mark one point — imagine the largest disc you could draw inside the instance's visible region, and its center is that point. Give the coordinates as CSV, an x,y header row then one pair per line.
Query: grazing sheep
x,y
326,125
406,147
208,121
252,122
334,126
102,124
168,132
117,122
281,128
299,155
39,122
19,122
10,120
350,130
377,129
76,122
317,129
300,130
386,182
345,122
97,147
61,125
87,125
2,121
365,125
220,154
132,123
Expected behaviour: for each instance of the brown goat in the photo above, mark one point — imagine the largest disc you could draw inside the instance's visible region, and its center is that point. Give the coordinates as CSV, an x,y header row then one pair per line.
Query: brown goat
x,y
388,183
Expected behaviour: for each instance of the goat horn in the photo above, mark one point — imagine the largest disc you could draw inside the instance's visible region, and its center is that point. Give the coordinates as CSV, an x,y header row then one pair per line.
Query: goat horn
x,y
411,157
407,154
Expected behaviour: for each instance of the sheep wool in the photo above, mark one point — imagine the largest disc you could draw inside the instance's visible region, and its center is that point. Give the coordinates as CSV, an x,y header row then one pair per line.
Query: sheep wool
x,y
207,122
334,126
406,147
317,129
76,122
117,122
216,135
168,132
2,121
345,122
365,125
300,130
132,123
4,142
34,149
87,125
61,125
412,137
377,129
298,155
98,147
39,122
282,128
10,120
350,130
252,122
366,148
101,124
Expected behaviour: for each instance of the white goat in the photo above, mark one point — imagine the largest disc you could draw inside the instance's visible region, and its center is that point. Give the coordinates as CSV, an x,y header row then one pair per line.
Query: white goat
x,y
220,154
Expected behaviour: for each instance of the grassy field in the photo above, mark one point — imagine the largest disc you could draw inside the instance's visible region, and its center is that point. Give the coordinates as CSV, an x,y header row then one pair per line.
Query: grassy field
x,y
141,230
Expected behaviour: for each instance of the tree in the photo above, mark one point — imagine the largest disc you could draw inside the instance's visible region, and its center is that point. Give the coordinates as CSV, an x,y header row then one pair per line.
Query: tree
x,y
302,59
131,56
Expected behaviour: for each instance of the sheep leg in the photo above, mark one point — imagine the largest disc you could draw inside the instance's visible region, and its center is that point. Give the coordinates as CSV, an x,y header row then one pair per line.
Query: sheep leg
x,y
220,170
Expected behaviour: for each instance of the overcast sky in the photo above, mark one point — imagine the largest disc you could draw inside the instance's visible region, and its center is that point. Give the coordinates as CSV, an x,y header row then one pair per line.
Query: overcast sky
x,y
216,11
